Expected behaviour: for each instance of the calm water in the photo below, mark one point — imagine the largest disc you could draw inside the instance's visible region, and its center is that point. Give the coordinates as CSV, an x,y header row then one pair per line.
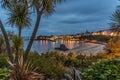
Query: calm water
x,y
45,45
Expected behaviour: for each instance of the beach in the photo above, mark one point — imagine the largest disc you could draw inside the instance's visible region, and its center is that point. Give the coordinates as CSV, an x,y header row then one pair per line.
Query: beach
x,y
86,48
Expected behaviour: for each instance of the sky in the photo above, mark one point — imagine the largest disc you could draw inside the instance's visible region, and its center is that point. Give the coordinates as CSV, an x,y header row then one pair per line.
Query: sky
x,y
72,17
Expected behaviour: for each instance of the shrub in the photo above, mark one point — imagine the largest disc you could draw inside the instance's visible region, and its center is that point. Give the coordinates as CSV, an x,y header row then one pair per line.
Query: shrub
x,y
103,70
24,70
4,73
114,45
3,61
50,64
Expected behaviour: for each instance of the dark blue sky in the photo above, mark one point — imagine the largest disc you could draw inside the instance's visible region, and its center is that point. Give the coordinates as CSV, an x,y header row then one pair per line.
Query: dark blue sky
x,y
73,16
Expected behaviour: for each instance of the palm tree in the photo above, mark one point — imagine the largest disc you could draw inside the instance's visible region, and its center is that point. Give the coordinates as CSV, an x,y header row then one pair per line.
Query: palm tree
x,y
116,22
41,7
19,17
2,44
17,45
6,41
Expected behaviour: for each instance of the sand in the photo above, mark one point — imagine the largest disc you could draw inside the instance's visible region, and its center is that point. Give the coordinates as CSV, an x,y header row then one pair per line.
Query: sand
x,y
86,48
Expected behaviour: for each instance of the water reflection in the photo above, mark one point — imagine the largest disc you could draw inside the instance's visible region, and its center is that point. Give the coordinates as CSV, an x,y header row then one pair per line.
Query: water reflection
x,y
46,45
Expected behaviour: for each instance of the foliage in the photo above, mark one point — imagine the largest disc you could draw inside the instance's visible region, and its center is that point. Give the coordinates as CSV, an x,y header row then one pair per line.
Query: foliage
x,y
71,55
53,64
50,64
103,70
17,42
18,16
100,38
3,61
83,61
114,45
116,22
2,45
24,70
73,63
4,73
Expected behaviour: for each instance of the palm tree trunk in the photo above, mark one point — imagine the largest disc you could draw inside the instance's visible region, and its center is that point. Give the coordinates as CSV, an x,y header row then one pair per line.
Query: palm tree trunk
x,y
16,55
74,78
6,41
20,30
33,35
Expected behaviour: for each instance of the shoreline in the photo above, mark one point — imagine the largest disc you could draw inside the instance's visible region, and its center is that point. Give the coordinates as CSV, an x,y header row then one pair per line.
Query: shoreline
x,y
86,48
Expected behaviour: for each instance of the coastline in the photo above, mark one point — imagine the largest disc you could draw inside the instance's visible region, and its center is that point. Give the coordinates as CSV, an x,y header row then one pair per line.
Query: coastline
x,y
86,48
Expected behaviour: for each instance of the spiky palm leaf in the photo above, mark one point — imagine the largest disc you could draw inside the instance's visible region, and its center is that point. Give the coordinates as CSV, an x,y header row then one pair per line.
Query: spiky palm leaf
x,y
116,22
24,70
17,42
8,4
5,3
19,17
48,5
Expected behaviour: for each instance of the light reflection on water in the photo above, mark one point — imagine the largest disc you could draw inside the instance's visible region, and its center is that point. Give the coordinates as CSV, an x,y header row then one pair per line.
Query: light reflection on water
x,y
46,45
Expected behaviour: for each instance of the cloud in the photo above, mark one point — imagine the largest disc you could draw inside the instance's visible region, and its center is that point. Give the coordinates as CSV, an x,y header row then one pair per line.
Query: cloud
x,y
75,16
